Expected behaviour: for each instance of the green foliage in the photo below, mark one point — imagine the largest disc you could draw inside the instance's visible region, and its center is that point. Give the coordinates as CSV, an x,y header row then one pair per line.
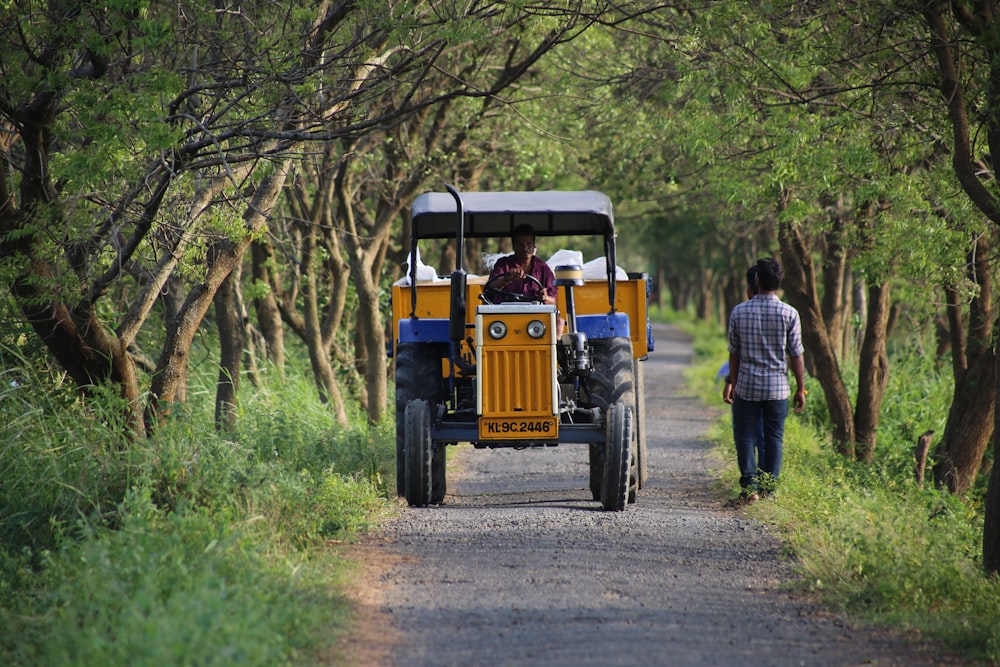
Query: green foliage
x,y
877,546
186,544
866,539
164,588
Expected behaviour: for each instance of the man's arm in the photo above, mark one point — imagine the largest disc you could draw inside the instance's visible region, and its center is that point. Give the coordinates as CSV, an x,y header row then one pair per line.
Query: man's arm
x,y
501,275
729,391
798,367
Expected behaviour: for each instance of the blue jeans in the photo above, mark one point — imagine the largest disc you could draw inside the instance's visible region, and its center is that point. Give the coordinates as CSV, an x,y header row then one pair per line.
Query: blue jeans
x,y
758,431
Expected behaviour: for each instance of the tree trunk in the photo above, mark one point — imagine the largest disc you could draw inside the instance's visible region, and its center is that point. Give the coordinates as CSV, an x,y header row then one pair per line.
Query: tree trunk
x,y
365,254
703,304
800,292
319,355
969,427
956,333
446,264
268,314
733,292
171,369
847,343
375,373
860,310
834,272
873,372
363,260
360,361
250,336
970,419
230,354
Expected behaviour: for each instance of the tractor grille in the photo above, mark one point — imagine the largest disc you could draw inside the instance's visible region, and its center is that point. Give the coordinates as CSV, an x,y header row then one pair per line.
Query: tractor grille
x,y
517,381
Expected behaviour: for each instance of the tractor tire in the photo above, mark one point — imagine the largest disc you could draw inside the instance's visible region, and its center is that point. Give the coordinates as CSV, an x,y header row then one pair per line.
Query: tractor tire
x,y
612,380
416,366
419,454
618,458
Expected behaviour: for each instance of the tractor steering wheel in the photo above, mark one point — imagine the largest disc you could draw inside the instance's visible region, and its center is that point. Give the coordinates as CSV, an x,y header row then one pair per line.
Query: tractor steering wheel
x,y
504,295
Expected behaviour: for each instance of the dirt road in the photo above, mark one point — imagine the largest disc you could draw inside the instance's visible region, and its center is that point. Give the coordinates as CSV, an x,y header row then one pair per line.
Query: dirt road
x,y
521,567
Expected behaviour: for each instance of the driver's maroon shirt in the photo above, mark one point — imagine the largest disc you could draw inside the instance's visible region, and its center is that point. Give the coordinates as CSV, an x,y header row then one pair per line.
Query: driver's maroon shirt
x,y
539,270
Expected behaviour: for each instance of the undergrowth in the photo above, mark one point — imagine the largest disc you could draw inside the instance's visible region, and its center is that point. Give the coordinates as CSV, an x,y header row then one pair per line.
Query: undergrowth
x,y
867,539
189,547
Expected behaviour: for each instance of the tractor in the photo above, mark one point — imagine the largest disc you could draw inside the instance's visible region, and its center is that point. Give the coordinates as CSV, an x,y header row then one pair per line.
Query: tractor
x,y
497,375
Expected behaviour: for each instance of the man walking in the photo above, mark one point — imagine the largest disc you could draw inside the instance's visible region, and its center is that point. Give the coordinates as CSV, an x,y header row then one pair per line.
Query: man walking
x,y
765,339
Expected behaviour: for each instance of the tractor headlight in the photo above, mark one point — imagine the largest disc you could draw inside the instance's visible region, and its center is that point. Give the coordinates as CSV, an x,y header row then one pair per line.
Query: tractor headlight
x,y
497,330
536,328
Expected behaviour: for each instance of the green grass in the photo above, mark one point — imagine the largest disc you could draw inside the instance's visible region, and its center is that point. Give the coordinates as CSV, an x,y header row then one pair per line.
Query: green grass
x,y
866,540
187,548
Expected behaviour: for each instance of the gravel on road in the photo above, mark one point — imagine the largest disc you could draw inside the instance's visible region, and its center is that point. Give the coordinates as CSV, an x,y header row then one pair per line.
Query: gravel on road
x,y
521,567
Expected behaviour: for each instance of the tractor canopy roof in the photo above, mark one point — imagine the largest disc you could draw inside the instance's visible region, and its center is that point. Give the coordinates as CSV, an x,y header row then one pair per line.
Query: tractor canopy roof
x,y
496,214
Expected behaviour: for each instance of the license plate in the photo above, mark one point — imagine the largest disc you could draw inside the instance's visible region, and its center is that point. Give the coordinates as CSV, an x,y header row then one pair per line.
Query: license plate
x,y
507,428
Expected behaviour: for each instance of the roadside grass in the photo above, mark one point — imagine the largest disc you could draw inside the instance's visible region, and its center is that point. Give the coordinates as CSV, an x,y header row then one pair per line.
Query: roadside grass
x,y
191,547
866,539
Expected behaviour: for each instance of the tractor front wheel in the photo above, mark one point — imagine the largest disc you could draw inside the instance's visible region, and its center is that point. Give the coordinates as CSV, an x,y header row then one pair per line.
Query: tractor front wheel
x,y
618,461
419,454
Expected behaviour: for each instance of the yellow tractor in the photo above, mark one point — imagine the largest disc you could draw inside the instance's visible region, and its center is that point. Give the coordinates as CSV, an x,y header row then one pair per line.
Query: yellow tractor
x,y
497,375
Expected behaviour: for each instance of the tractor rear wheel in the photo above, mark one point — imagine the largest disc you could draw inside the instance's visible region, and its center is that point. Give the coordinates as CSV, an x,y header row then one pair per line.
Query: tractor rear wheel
x,y
612,379
418,375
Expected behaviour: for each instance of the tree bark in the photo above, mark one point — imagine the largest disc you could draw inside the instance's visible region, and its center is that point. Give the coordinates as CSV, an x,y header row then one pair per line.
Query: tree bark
x,y
319,356
834,260
251,338
969,427
873,372
266,307
360,361
370,314
956,333
229,326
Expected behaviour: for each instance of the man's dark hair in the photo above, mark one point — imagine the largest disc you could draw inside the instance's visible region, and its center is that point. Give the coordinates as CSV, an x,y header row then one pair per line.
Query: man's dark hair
x,y
522,230
769,274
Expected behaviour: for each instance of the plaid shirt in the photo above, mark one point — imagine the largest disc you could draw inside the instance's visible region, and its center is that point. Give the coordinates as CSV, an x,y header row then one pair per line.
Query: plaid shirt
x,y
763,332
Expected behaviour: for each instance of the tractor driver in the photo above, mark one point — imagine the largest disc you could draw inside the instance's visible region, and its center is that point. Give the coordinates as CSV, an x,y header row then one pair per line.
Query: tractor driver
x,y
522,276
